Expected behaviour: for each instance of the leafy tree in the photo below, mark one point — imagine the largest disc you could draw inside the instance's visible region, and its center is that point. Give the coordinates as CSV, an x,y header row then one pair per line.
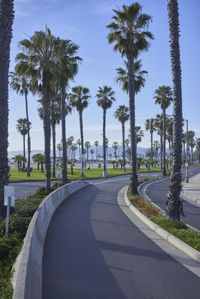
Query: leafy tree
x,y
105,99
6,22
164,96
23,127
122,115
78,99
22,85
130,35
173,202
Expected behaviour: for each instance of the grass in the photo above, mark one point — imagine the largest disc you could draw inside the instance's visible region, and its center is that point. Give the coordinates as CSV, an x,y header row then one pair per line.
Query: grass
x,y
176,228
91,173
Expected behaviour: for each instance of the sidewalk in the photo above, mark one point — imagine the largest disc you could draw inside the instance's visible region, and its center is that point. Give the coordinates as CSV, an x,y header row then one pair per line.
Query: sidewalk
x,y
191,190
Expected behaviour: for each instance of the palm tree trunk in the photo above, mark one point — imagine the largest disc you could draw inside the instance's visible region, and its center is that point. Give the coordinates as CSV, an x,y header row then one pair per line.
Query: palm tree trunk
x,y
82,142
131,89
47,131
104,144
161,150
28,137
64,147
6,21
53,127
24,151
164,142
173,203
123,145
151,132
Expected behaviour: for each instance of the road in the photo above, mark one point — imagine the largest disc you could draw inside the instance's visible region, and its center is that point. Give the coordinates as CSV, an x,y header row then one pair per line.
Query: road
x,y
93,251
158,191
24,189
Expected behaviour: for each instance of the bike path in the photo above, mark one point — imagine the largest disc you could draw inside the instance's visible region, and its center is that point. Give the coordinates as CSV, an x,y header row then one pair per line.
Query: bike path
x,y
93,250
158,191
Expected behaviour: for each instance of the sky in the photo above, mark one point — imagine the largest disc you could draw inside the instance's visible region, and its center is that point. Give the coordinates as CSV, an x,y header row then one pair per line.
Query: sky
x,y
84,22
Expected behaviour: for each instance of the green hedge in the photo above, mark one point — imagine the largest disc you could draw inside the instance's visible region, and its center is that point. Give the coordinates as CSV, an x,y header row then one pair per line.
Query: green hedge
x,y
9,248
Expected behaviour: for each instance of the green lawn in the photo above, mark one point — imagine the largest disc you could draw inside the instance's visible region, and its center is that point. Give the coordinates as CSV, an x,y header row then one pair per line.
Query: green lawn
x,y
92,173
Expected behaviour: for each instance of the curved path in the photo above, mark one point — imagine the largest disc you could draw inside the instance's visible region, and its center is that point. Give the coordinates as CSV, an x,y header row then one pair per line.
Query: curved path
x,y
93,251
158,191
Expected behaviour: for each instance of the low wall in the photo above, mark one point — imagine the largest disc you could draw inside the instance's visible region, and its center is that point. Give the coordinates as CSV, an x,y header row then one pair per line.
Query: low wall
x,y
27,280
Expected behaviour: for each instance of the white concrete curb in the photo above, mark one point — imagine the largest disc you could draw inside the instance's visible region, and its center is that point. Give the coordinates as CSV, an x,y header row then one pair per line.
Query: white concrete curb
x,y
193,253
27,280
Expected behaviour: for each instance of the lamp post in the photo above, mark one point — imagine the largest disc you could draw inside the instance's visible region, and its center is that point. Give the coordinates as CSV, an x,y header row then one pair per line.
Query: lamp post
x,y
186,157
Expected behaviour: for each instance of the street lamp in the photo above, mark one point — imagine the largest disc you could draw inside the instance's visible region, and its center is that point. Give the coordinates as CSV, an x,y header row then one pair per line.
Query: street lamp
x,y
186,156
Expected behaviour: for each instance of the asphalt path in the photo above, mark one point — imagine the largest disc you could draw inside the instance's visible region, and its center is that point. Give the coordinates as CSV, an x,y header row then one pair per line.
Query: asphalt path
x,y
24,189
158,191
93,251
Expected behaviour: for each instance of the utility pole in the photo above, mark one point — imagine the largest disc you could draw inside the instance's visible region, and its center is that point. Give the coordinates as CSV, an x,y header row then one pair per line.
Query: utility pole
x,y
186,158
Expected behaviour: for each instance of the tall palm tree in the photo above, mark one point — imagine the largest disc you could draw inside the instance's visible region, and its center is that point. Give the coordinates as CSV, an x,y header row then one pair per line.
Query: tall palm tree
x,y
87,146
150,126
173,202
96,144
78,99
163,97
139,76
115,146
6,21
130,35
159,128
122,115
22,127
67,68
22,86
37,61
79,145
105,98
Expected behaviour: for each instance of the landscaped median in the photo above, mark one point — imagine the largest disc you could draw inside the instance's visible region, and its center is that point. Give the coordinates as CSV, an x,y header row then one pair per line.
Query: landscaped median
x,y
34,213
177,233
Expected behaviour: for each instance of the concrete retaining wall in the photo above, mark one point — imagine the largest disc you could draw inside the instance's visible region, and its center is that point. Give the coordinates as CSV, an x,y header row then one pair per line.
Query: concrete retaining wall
x,y
27,280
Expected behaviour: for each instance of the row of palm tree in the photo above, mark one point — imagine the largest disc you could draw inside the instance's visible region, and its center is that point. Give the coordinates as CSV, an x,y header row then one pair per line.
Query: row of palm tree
x,y
49,63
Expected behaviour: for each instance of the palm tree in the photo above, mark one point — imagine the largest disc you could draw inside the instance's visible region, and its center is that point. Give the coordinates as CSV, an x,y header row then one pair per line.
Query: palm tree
x,y
115,146
67,68
139,76
159,128
173,202
22,128
139,134
191,143
197,143
22,86
96,144
6,21
105,98
163,97
79,144
79,100
122,115
37,61
130,35
20,160
92,153
87,146
39,159
150,126
73,149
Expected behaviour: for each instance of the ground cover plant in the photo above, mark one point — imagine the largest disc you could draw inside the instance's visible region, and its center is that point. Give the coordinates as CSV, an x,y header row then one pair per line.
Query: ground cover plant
x,y
10,247
176,228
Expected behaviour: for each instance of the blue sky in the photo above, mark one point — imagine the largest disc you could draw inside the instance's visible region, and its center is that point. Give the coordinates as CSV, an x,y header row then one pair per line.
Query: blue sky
x,y
84,22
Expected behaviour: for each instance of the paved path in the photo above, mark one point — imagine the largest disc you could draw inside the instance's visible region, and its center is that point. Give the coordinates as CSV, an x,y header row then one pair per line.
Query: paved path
x,y
158,191
93,251
24,189
191,190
